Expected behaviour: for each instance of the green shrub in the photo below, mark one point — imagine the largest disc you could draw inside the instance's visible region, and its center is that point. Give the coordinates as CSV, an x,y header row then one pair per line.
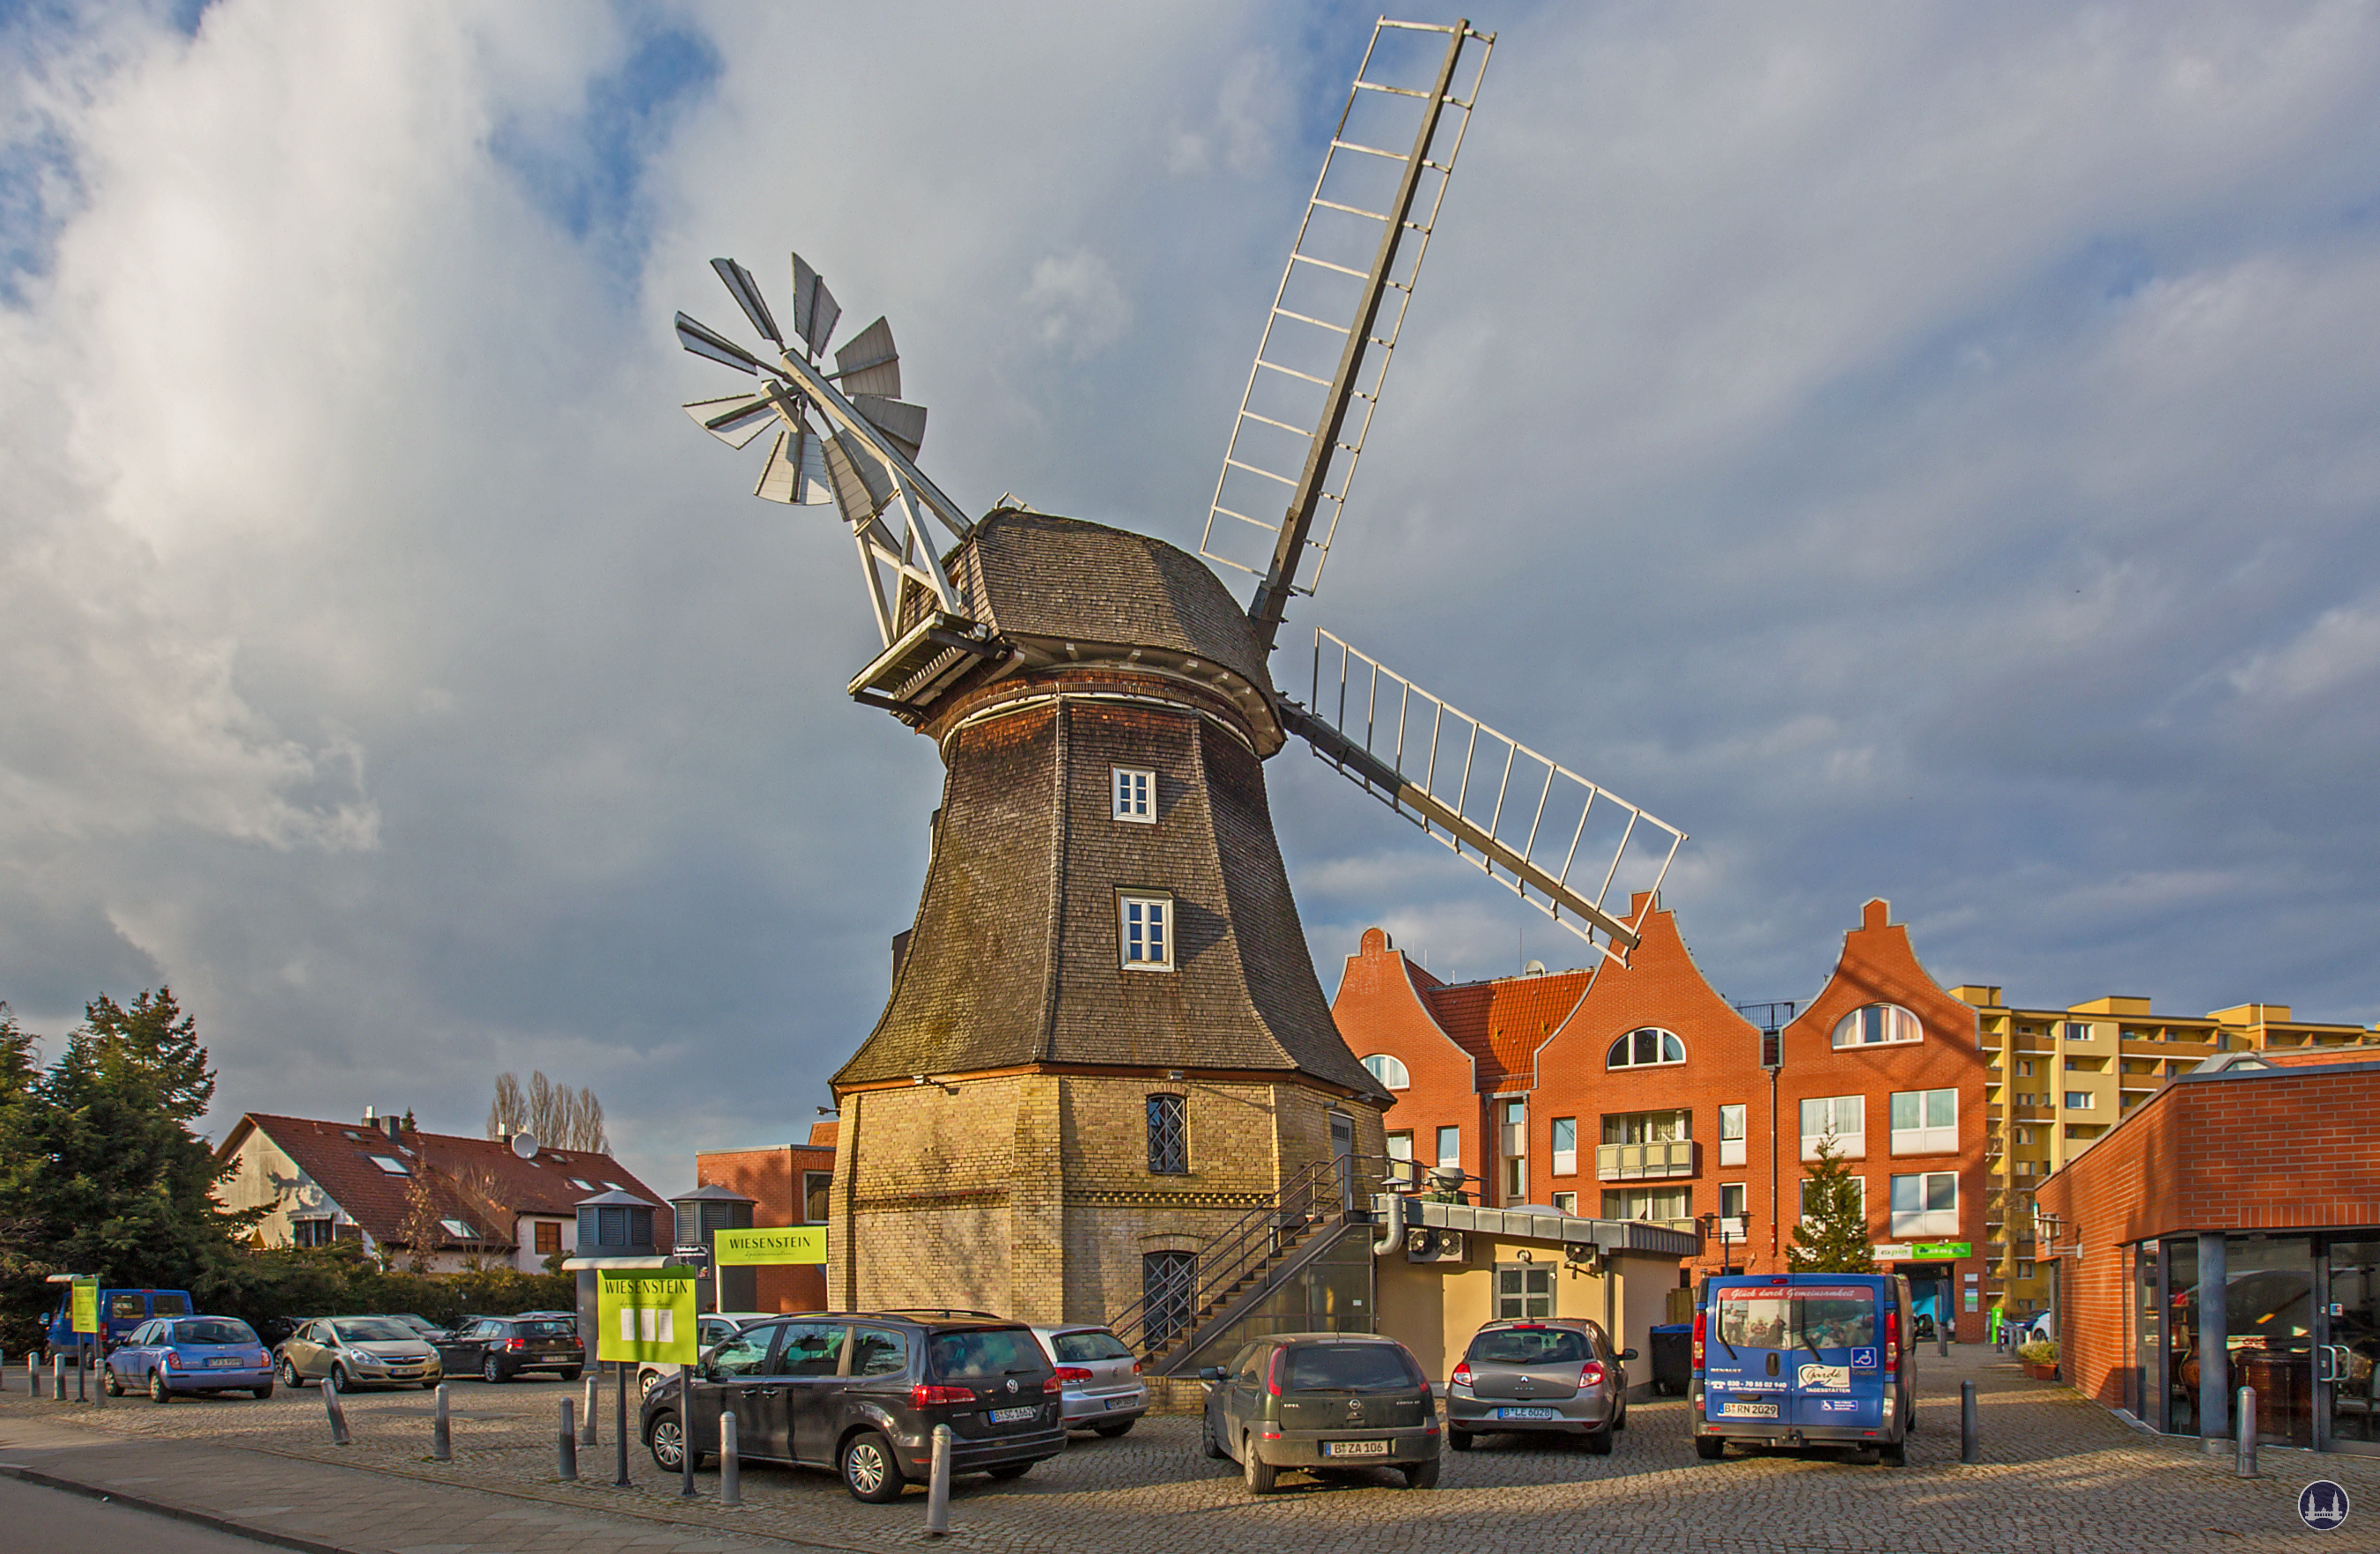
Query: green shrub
x,y
2040,1352
338,1281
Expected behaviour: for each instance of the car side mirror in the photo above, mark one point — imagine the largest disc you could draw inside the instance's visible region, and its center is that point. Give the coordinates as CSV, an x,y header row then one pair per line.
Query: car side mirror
x,y
1212,1373
1628,1354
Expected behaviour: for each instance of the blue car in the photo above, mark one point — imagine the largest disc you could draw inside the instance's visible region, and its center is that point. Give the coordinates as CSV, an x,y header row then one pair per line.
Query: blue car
x,y
170,1354
1803,1359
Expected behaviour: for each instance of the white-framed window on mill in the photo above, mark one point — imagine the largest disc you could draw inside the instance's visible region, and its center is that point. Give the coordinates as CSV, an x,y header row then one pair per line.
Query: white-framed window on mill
x,y
1147,931
1136,795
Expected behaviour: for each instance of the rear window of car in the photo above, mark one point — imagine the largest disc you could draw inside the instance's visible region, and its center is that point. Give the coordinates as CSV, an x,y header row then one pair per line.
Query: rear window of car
x,y
126,1308
1528,1346
984,1353
551,1326
214,1330
1785,1317
1076,1348
1349,1367
170,1305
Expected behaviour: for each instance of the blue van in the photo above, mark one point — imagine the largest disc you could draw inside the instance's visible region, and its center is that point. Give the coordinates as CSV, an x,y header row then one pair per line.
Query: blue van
x,y
120,1311
1803,1359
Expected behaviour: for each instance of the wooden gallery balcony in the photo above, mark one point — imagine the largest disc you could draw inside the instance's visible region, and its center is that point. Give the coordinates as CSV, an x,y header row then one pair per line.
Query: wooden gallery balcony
x,y
1635,1162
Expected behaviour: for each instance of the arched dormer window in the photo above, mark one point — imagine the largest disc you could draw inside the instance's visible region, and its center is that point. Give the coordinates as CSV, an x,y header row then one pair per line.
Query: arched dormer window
x,y
1877,1024
1388,1071
1647,1048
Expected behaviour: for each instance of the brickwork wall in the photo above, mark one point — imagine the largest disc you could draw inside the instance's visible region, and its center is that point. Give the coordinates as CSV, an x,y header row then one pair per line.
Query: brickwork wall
x,y
1379,1010
774,1179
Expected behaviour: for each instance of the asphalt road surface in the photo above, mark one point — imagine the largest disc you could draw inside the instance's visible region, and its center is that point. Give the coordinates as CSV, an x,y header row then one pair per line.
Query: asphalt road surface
x,y
41,1518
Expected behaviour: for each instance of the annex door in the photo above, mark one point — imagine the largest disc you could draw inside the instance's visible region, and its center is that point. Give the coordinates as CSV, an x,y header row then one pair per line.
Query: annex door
x,y
2346,1347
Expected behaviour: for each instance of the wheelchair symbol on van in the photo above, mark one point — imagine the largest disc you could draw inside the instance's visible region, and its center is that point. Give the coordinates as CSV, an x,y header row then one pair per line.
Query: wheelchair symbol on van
x,y
1862,1359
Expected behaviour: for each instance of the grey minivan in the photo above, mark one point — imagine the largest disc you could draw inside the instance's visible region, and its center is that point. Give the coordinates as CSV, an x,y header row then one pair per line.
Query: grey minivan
x,y
1320,1401
1551,1376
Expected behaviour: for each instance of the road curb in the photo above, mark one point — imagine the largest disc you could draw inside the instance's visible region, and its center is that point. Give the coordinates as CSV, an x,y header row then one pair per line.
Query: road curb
x,y
176,1512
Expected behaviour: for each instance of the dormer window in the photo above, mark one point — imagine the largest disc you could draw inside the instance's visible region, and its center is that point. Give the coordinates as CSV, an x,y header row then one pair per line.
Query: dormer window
x,y
394,1167
1136,795
458,1230
1148,931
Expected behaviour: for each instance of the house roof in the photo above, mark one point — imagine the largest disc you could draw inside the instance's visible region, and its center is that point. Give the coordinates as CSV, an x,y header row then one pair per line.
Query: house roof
x,y
1502,1024
459,1172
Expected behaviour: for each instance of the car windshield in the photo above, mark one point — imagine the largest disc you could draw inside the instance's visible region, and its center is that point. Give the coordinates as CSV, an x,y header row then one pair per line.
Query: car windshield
x,y
546,1326
1527,1346
376,1329
1349,1367
983,1353
1098,1344
214,1330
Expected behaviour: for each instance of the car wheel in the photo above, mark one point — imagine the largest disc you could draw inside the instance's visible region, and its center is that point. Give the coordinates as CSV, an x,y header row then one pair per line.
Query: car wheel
x,y
289,1377
338,1380
1209,1442
1710,1449
490,1371
110,1383
645,1380
1113,1431
666,1442
1010,1470
1259,1474
1599,1443
158,1391
869,1470
1459,1439
1422,1475
263,1393
571,1374
1895,1453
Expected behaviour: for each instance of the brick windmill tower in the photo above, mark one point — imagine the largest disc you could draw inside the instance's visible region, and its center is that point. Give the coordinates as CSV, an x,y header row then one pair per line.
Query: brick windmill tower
x,y
1106,1077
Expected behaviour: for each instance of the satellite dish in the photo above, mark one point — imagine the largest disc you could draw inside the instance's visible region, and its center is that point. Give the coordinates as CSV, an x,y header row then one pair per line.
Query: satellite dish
x,y
525,1144
1535,969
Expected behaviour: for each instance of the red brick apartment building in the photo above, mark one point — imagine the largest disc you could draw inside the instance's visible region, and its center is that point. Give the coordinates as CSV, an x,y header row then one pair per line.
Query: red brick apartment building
x,y
2258,1175
1637,1092
788,1185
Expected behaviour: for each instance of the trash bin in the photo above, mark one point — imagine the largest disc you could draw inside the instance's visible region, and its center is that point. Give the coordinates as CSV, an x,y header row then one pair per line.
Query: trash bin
x,y
1673,1357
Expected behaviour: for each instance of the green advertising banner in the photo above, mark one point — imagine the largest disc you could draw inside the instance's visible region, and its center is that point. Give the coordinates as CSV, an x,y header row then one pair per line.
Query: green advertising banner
x,y
645,1314
1940,1251
803,1244
86,1305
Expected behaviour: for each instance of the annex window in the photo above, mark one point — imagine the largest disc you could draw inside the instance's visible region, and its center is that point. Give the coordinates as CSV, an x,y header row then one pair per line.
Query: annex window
x,y
1730,1135
1859,1195
1877,1024
1136,795
1565,1147
394,1167
2078,1100
548,1237
1844,1116
1566,1202
1401,1158
1450,1148
1148,932
1524,1291
1168,1135
1924,1121
814,1185
1388,1071
1926,1204
1646,1049
1649,1203
2077,1030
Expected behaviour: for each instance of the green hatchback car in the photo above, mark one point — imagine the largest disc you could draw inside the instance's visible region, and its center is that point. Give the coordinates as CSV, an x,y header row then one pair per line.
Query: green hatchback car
x,y
1318,1403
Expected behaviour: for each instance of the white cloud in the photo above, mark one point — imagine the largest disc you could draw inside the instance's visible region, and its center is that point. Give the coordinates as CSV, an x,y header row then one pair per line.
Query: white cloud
x,y
1075,303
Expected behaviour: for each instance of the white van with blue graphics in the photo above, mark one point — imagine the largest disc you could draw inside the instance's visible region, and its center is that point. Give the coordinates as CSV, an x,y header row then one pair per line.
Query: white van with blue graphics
x,y
1803,1359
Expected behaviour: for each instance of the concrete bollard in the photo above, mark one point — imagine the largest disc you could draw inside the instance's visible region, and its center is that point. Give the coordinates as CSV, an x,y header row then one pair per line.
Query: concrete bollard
x,y
441,1432
1941,1341
336,1412
99,1382
82,1374
938,1486
586,1435
1971,1446
566,1448
2246,1404
32,1374
731,1462
57,1376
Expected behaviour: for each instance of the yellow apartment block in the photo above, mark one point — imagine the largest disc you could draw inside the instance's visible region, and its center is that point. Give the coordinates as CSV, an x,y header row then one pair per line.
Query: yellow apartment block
x,y
2059,1078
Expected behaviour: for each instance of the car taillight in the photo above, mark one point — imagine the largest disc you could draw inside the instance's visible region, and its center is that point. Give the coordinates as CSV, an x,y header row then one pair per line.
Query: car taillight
x,y
1591,1374
173,1361
1698,1340
1135,1368
1272,1376
1892,1339
514,1344
1073,1373
926,1395
1462,1376
264,1358
1053,1384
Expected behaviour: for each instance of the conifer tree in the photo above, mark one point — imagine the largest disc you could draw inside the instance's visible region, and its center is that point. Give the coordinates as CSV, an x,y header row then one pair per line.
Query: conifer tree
x,y
1832,1234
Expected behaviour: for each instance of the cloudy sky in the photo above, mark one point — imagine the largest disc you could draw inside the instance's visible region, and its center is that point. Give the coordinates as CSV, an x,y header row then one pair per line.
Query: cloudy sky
x,y
1923,452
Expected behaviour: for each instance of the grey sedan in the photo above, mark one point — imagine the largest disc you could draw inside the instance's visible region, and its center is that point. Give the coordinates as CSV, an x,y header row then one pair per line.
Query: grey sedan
x,y
1554,1377
358,1351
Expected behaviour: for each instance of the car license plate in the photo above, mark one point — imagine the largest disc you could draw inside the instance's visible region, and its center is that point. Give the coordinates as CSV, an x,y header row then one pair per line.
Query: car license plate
x,y
223,1361
1118,1403
1748,1410
1528,1413
1354,1448
1010,1416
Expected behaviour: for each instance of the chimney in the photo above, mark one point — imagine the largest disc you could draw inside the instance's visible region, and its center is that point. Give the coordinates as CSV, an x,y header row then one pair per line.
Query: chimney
x,y
394,1127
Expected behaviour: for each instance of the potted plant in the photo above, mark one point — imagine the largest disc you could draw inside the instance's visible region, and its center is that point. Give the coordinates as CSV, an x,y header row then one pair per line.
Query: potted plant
x,y
2040,1358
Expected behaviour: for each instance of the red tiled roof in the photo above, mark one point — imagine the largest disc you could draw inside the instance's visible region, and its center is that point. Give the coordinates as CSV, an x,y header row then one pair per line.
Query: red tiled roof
x,y
822,1134
1502,1024
338,1155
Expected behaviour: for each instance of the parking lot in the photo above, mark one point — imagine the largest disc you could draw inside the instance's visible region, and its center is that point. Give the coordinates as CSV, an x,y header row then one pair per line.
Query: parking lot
x,y
2058,1474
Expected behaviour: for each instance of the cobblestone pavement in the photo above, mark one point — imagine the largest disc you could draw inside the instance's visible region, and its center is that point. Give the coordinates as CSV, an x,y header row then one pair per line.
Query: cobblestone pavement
x,y
2060,1474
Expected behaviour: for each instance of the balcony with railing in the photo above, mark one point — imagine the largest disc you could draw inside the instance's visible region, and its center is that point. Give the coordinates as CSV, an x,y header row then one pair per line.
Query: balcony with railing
x,y
1638,1162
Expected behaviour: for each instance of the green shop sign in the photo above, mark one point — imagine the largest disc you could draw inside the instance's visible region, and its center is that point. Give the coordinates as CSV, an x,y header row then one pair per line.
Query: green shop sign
x,y
805,1244
1941,1251
645,1314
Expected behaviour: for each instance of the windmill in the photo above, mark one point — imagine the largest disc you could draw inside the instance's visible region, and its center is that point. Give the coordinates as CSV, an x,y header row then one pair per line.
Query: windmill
x,y
1106,1076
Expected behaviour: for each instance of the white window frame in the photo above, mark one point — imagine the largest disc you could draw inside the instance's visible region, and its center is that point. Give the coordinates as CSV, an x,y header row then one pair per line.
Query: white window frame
x,y
1390,1070
1926,1220
1669,1048
1731,1135
1925,1137
1565,1160
1156,922
1566,1202
1802,1199
1896,1025
1132,794
1851,1143
1512,1128
1450,1157
458,1230
2081,1101
390,1164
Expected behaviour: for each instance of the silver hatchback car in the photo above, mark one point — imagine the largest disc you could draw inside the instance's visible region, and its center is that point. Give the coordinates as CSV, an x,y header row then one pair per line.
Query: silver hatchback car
x,y
1097,1377
1554,1377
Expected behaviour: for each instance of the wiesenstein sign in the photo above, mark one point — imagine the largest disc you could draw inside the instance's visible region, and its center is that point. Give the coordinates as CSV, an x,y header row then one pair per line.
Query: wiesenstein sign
x,y
803,1244
645,1314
